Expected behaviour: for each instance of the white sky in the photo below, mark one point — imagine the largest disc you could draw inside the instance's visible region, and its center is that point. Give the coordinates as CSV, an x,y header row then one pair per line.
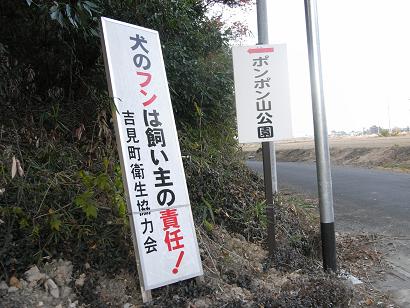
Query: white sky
x,y
365,46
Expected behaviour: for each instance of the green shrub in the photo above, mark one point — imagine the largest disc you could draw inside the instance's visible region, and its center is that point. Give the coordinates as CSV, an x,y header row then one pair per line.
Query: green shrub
x,y
55,123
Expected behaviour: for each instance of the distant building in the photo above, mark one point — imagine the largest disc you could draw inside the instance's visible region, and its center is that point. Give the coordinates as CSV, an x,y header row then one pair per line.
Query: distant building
x,y
374,130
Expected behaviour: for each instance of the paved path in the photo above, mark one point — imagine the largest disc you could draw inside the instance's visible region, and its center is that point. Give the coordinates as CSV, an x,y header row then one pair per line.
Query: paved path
x,y
365,200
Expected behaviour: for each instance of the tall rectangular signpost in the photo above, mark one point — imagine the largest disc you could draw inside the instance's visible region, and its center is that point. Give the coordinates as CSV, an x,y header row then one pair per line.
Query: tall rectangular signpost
x,y
263,106
158,203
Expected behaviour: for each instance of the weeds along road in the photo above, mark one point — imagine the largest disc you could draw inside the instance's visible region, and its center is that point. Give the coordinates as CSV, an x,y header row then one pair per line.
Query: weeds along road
x,y
364,199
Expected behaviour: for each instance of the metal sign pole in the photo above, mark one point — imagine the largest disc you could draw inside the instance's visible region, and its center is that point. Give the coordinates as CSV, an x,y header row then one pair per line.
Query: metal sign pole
x,y
327,225
268,148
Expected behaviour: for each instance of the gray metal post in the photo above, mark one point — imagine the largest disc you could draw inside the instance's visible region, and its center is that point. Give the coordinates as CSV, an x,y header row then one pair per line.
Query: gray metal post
x,y
262,16
327,226
268,148
273,167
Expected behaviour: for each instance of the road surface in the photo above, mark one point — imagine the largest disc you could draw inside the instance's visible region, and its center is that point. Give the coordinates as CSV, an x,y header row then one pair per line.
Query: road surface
x,y
365,200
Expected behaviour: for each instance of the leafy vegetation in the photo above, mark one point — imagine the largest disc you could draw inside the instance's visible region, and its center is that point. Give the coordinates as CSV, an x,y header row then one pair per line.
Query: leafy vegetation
x,y
60,183
60,188
61,193
384,132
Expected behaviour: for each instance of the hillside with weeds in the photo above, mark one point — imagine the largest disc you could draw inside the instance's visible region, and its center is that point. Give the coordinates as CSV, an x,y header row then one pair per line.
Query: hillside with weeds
x,y
60,180
61,193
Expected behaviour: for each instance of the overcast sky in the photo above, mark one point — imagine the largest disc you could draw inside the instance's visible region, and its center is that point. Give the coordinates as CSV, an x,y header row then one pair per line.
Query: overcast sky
x,y
365,47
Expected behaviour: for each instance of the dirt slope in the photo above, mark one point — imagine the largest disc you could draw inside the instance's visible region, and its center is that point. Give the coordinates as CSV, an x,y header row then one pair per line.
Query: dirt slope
x,y
381,152
237,273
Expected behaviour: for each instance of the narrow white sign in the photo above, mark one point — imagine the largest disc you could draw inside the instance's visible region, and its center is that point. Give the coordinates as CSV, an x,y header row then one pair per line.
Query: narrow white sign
x,y
262,93
151,163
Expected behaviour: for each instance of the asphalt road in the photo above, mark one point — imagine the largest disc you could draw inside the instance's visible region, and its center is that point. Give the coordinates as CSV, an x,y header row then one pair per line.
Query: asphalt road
x,y
364,199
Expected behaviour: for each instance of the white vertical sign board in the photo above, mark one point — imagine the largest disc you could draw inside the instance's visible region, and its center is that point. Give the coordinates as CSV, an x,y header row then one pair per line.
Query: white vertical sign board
x,y
151,163
262,93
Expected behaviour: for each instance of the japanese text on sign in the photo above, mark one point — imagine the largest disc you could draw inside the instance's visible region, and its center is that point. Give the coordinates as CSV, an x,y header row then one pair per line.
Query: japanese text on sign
x,y
150,156
262,93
